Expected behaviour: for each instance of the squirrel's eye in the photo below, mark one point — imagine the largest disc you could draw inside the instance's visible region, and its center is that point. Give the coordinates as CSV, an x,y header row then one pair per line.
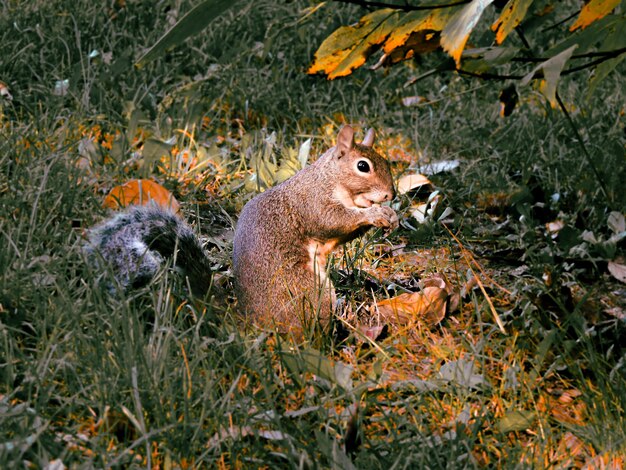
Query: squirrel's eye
x,y
363,166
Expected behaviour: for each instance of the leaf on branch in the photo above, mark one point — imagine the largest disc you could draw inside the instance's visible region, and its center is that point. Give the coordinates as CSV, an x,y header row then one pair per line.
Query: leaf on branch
x,y
349,46
552,69
592,11
512,15
615,40
457,31
416,32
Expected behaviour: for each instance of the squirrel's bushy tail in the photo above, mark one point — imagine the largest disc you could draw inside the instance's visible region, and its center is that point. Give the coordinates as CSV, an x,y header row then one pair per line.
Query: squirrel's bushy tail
x,y
133,244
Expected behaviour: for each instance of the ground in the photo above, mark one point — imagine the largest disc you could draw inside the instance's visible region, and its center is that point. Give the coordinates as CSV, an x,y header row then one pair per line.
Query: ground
x,y
526,370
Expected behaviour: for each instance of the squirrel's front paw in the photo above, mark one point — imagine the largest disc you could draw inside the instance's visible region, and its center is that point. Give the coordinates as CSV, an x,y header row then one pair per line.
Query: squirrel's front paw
x,y
383,216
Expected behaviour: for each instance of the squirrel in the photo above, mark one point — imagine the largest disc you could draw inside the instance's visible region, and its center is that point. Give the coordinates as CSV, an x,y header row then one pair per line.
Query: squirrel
x,y
282,239
285,234
133,245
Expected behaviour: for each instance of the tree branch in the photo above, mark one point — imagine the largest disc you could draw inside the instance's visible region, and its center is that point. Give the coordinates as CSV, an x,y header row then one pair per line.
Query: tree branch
x,y
588,55
406,7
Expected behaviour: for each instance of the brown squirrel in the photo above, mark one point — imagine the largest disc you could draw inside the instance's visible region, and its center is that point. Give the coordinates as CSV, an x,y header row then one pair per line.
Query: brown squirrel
x,y
284,235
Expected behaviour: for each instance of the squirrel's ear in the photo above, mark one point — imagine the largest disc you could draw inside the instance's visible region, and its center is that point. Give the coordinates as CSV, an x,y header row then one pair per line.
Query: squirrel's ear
x,y
368,140
345,140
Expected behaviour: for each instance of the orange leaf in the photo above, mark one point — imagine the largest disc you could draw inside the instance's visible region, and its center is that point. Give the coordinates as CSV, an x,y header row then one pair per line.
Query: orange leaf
x,y
140,192
424,20
429,305
512,15
349,46
592,11
457,31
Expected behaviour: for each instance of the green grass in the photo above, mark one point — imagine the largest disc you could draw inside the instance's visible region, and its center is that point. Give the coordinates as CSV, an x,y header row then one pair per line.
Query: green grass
x,y
154,380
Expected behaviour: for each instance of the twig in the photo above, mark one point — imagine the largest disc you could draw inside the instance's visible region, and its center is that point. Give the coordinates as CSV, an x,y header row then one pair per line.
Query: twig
x,y
559,23
406,7
588,55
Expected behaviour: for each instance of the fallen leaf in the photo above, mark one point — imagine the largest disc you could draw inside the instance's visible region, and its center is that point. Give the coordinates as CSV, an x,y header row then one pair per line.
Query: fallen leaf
x,y
516,420
373,332
616,222
409,101
616,312
410,182
239,432
439,167
553,228
4,91
462,372
140,192
618,271
428,305
61,87
569,395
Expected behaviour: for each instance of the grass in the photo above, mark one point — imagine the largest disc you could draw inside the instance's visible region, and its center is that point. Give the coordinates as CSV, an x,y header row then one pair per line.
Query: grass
x,y
153,380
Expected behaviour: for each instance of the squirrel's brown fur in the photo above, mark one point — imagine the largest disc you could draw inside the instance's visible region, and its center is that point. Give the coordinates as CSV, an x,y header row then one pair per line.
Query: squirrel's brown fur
x,y
285,234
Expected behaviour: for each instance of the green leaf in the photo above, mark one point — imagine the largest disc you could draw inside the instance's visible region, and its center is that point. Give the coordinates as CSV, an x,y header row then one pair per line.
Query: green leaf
x,y
552,72
516,420
587,38
616,39
189,25
457,31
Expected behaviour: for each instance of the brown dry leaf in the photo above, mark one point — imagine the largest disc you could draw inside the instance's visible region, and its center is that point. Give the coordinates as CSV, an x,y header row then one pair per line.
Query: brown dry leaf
x,y
570,449
512,15
605,461
618,271
428,305
569,395
4,91
409,182
140,192
554,227
592,11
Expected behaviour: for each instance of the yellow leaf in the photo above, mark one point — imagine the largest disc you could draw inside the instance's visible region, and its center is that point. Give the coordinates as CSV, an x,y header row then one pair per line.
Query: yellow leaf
x,y
592,11
457,31
512,15
140,192
422,20
349,46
